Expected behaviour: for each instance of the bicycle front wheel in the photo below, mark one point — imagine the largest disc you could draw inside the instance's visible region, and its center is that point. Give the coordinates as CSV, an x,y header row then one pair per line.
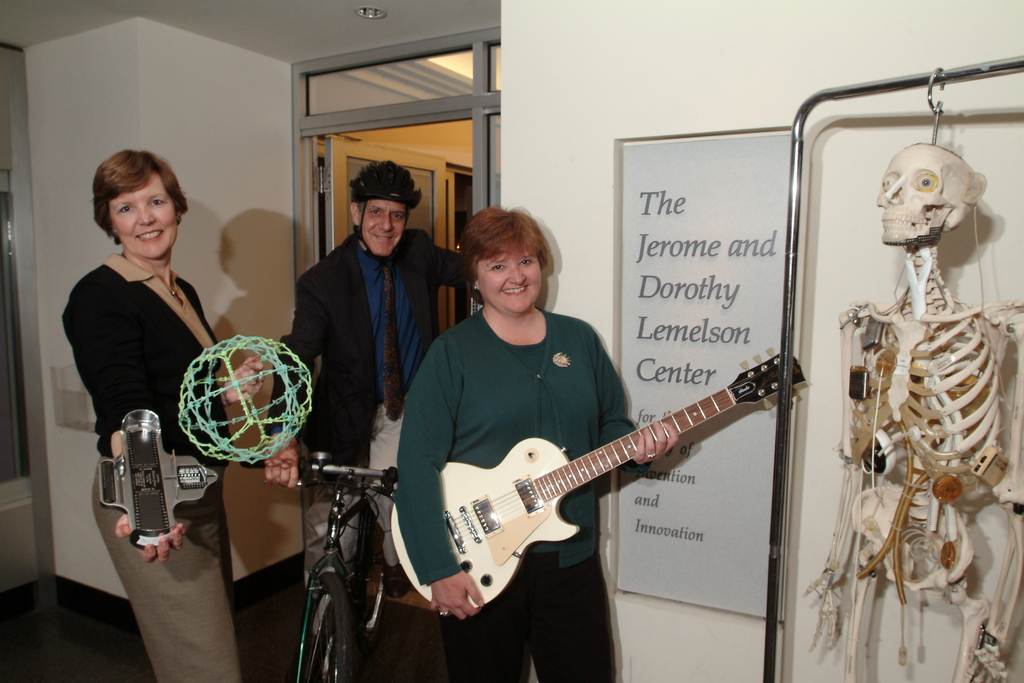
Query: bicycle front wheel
x,y
331,647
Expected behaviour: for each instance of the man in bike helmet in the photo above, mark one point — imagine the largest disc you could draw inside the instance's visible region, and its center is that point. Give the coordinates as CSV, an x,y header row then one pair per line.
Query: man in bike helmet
x,y
382,195
340,313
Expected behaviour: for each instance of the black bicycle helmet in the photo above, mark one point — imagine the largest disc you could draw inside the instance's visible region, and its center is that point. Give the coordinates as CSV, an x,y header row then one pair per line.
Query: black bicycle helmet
x,y
385,180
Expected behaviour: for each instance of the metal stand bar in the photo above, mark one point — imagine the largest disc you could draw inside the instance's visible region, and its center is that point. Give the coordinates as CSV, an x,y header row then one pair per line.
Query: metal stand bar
x,y
780,483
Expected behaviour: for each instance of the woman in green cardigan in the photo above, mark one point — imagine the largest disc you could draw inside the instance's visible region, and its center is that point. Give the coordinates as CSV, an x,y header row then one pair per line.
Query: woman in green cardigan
x,y
510,372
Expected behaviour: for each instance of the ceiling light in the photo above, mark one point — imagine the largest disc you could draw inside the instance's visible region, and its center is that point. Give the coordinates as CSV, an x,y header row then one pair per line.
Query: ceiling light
x,y
368,12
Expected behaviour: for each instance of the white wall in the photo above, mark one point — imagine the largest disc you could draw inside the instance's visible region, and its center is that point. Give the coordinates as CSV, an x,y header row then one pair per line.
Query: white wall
x,y
580,74
221,116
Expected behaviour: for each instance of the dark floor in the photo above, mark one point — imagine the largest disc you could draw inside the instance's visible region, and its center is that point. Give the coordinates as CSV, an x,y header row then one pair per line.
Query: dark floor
x,y
62,646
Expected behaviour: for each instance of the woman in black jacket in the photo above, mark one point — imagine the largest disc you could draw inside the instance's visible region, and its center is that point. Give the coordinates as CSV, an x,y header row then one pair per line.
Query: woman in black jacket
x,y
135,327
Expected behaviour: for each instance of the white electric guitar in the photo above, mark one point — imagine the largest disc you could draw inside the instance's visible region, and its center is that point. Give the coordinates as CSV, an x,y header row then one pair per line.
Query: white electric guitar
x,y
492,515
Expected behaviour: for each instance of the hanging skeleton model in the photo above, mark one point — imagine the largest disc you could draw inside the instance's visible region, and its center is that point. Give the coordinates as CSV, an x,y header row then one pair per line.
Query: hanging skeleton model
x,y
922,427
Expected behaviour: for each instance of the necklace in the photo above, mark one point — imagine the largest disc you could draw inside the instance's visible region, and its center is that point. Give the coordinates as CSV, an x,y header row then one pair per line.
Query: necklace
x,y
177,297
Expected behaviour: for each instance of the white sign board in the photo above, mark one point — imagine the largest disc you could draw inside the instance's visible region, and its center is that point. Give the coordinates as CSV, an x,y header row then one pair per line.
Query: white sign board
x,y
703,251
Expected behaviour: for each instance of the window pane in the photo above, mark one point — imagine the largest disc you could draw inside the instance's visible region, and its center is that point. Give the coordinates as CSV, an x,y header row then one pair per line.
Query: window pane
x,y
494,156
495,82
426,78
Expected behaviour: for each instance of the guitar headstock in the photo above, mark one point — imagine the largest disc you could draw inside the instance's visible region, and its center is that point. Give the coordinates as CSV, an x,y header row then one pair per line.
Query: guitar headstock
x,y
761,381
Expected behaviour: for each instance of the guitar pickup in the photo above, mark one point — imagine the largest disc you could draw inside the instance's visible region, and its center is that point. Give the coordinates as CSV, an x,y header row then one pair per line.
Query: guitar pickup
x,y
487,517
527,494
469,524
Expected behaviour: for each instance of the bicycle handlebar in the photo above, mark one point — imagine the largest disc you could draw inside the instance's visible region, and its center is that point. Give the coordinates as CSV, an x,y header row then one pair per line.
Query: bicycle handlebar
x,y
318,470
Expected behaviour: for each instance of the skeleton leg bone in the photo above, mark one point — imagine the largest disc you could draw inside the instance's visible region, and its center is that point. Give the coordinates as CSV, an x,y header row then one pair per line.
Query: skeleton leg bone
x,y
973,614
853,635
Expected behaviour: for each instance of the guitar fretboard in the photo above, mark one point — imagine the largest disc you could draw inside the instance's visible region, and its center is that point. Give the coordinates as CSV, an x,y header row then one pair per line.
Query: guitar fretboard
x,y
605,459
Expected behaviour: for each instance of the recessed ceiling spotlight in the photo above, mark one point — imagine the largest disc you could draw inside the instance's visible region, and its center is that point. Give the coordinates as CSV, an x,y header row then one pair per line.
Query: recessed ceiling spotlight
x,y
368,12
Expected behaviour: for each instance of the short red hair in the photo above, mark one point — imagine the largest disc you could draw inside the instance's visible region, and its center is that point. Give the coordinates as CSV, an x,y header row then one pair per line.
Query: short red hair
x,y
494,231
128,171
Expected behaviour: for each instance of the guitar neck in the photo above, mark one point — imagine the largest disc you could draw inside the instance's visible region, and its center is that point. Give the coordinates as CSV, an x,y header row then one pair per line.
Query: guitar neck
x,y
592,465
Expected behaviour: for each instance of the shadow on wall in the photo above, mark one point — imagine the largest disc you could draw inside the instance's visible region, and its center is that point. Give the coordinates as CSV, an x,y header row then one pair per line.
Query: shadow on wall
x,y
256,257
252,292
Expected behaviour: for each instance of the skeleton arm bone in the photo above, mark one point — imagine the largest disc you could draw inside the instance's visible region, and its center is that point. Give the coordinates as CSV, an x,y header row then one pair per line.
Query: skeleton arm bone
x,y
1003,610
849,328
824,584
1011,488
1011,495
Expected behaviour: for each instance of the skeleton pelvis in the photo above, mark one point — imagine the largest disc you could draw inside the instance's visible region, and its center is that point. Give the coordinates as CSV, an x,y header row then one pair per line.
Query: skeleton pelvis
x,y
921,549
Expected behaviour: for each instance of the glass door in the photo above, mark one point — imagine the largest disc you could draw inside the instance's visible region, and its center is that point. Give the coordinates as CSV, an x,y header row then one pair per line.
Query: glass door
x,y
13,463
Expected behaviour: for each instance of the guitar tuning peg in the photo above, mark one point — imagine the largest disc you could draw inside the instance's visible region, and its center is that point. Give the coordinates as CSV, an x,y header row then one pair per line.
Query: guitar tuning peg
x,y
757,359
767,404
745,365
770,352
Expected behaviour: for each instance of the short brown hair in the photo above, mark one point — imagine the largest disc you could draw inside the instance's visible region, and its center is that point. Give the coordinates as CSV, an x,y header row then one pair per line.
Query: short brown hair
x,y
128,171
495,231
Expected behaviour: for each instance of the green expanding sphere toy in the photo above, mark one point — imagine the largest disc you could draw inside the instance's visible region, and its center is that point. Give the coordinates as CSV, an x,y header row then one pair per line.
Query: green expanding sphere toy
x,y
202,388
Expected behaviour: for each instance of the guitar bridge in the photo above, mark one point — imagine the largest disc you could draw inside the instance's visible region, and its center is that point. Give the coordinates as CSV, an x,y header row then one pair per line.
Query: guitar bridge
x,y
460,544
528,496
487,517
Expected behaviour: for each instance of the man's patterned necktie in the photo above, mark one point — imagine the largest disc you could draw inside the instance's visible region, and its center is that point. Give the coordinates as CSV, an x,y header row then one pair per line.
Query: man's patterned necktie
x,y
393,398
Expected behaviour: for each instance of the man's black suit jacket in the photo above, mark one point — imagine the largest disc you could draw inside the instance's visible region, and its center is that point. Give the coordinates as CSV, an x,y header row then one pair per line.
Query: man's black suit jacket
x,y
332,321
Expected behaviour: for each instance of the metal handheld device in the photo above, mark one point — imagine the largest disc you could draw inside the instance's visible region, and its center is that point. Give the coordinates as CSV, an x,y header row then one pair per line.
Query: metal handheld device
x,y
146,482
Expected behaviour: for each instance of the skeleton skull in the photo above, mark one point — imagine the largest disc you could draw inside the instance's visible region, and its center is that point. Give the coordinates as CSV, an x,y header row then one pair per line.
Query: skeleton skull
x,y
926,190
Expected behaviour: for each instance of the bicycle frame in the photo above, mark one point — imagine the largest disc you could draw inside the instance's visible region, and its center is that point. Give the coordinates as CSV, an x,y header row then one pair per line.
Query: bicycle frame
x,y
339,518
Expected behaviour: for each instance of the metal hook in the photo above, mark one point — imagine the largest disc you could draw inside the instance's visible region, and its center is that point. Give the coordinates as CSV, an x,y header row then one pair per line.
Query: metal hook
x,y
936,109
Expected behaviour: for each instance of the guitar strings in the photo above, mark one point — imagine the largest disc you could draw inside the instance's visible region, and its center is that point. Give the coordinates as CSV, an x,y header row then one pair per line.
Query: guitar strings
x,y
575,473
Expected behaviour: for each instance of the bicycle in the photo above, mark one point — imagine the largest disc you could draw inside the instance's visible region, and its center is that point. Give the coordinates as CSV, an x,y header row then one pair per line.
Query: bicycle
x,y
344,596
